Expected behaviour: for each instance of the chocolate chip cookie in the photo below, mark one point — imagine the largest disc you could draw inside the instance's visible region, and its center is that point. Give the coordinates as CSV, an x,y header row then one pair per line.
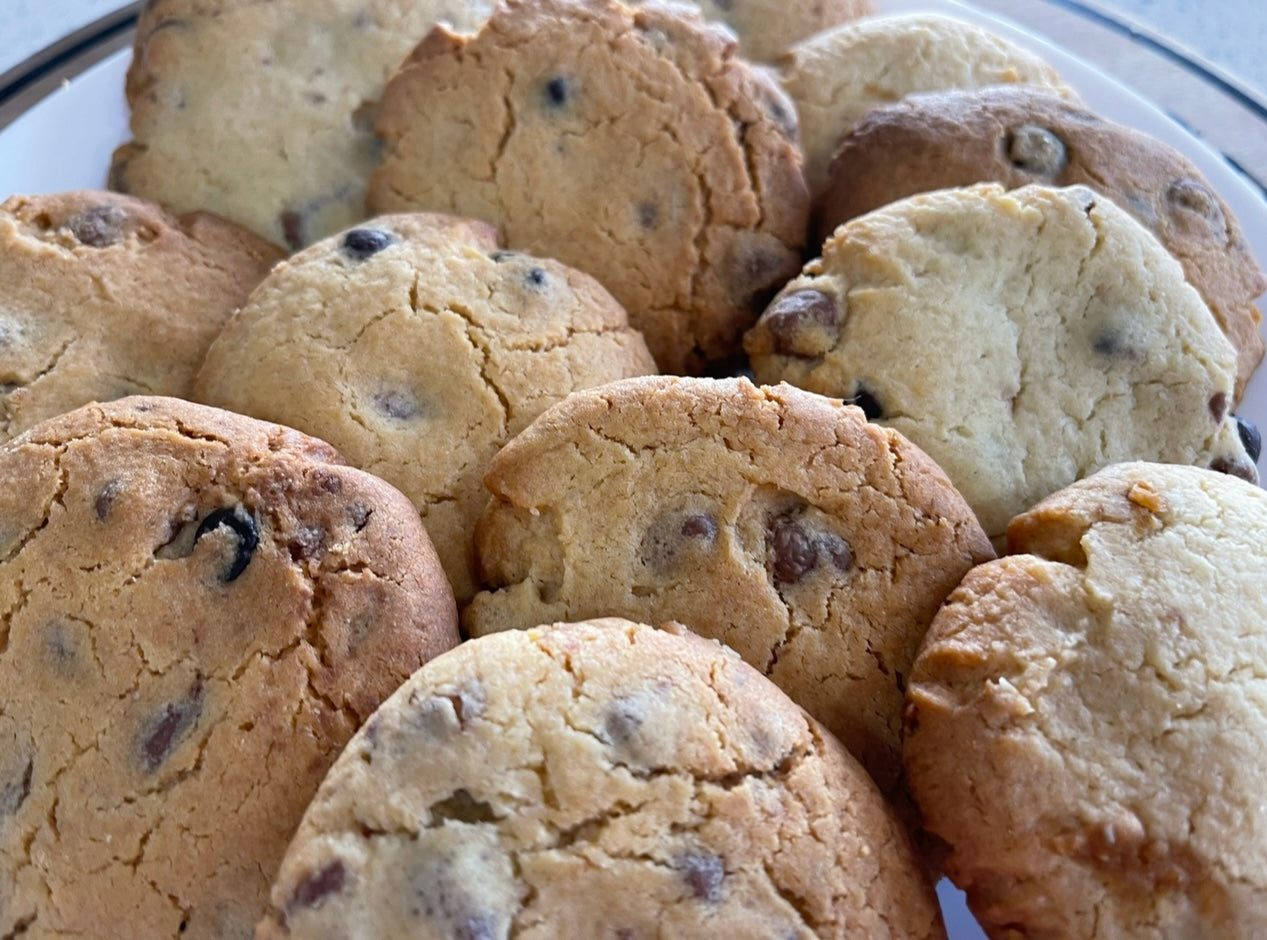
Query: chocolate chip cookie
x,y
780,522
1087,721
106,296
199,611
839,75
631,144
598,779
1023,338
263,112
1016,135
420,347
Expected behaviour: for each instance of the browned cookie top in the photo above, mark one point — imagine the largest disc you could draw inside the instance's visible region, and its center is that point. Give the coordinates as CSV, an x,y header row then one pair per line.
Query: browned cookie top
x,y
1016,135
778,521
106,295
631,144
200,609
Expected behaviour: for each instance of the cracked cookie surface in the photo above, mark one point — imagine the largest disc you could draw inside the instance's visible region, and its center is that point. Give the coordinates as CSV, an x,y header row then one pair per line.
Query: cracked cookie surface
x,y
597,779
1016,135
839,75
779,522
631,144
1023,339
421,347
197,610
1087,720
106,296
263,112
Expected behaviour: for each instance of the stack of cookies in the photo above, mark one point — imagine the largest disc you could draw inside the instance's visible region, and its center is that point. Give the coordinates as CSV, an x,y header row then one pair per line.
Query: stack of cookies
x,y
536,472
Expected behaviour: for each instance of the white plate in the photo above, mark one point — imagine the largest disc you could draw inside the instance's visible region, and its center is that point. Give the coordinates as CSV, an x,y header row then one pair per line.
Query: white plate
x,y
65,141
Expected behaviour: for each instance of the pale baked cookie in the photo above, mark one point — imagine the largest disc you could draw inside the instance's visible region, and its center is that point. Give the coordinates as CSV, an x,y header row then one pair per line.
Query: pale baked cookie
x,y
816,545
1086,725
837,76
630,144
263,112
767,28
106,296
1024,339
200,610
1016,135
600,779
418,347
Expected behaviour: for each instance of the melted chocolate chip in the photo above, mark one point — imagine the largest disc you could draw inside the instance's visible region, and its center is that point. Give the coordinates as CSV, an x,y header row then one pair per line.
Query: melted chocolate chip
x,y
398,406
796,549
105,498
98,227
243,527
361,243
292,224
330,878
15,790
1250,437
703,874
1036,150
557,91
805,323
535,279
1218,407
1193,196
164,732
870,406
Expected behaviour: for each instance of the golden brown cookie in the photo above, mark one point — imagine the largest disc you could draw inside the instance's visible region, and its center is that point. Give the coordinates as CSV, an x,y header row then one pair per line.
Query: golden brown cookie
x,y
599,779
1086,725
780,522
420,348
631,144
199,611
1016,135
105,296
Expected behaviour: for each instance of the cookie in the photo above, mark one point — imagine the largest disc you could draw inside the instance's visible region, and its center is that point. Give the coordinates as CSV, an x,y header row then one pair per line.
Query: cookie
x,y
1023,339
200,610
837,76
665,167
1087,721
421,347
597,779
1015,135
780,522
767,28
263,112
107,296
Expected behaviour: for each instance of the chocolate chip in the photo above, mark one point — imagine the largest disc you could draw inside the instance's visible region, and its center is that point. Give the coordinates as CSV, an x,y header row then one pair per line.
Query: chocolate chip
x,y
622,721
500,256
106,496
1250,437
1036,150
648,215
557,91
674,539
1114,345
98,227
359,515
361,243
164,732
460,806
449,710
292,224
330,878
703,874
795,549
870,406
243,527
398,406
805,323
15,789
535,279
1235,468
476,928
306,543
60,648
1218,407
1194,196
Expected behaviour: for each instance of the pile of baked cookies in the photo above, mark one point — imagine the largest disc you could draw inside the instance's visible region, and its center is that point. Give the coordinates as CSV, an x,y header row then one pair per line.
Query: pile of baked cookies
x,y
391,543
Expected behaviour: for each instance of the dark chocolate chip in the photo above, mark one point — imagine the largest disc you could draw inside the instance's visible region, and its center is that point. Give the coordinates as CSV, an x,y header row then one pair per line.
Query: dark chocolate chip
x,y
795,550
106,496
500,256
699,526
1195,197
1250,437
1036,150
164,732
15,790
1234,468
1218,407
306,543
1112,344
622,721
675,538
535,279
557,91
243,527
805,323
98,227
359,514
460,806
703,874
60,647
361,243
648,215
396,405
292,224
870,406
330,878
